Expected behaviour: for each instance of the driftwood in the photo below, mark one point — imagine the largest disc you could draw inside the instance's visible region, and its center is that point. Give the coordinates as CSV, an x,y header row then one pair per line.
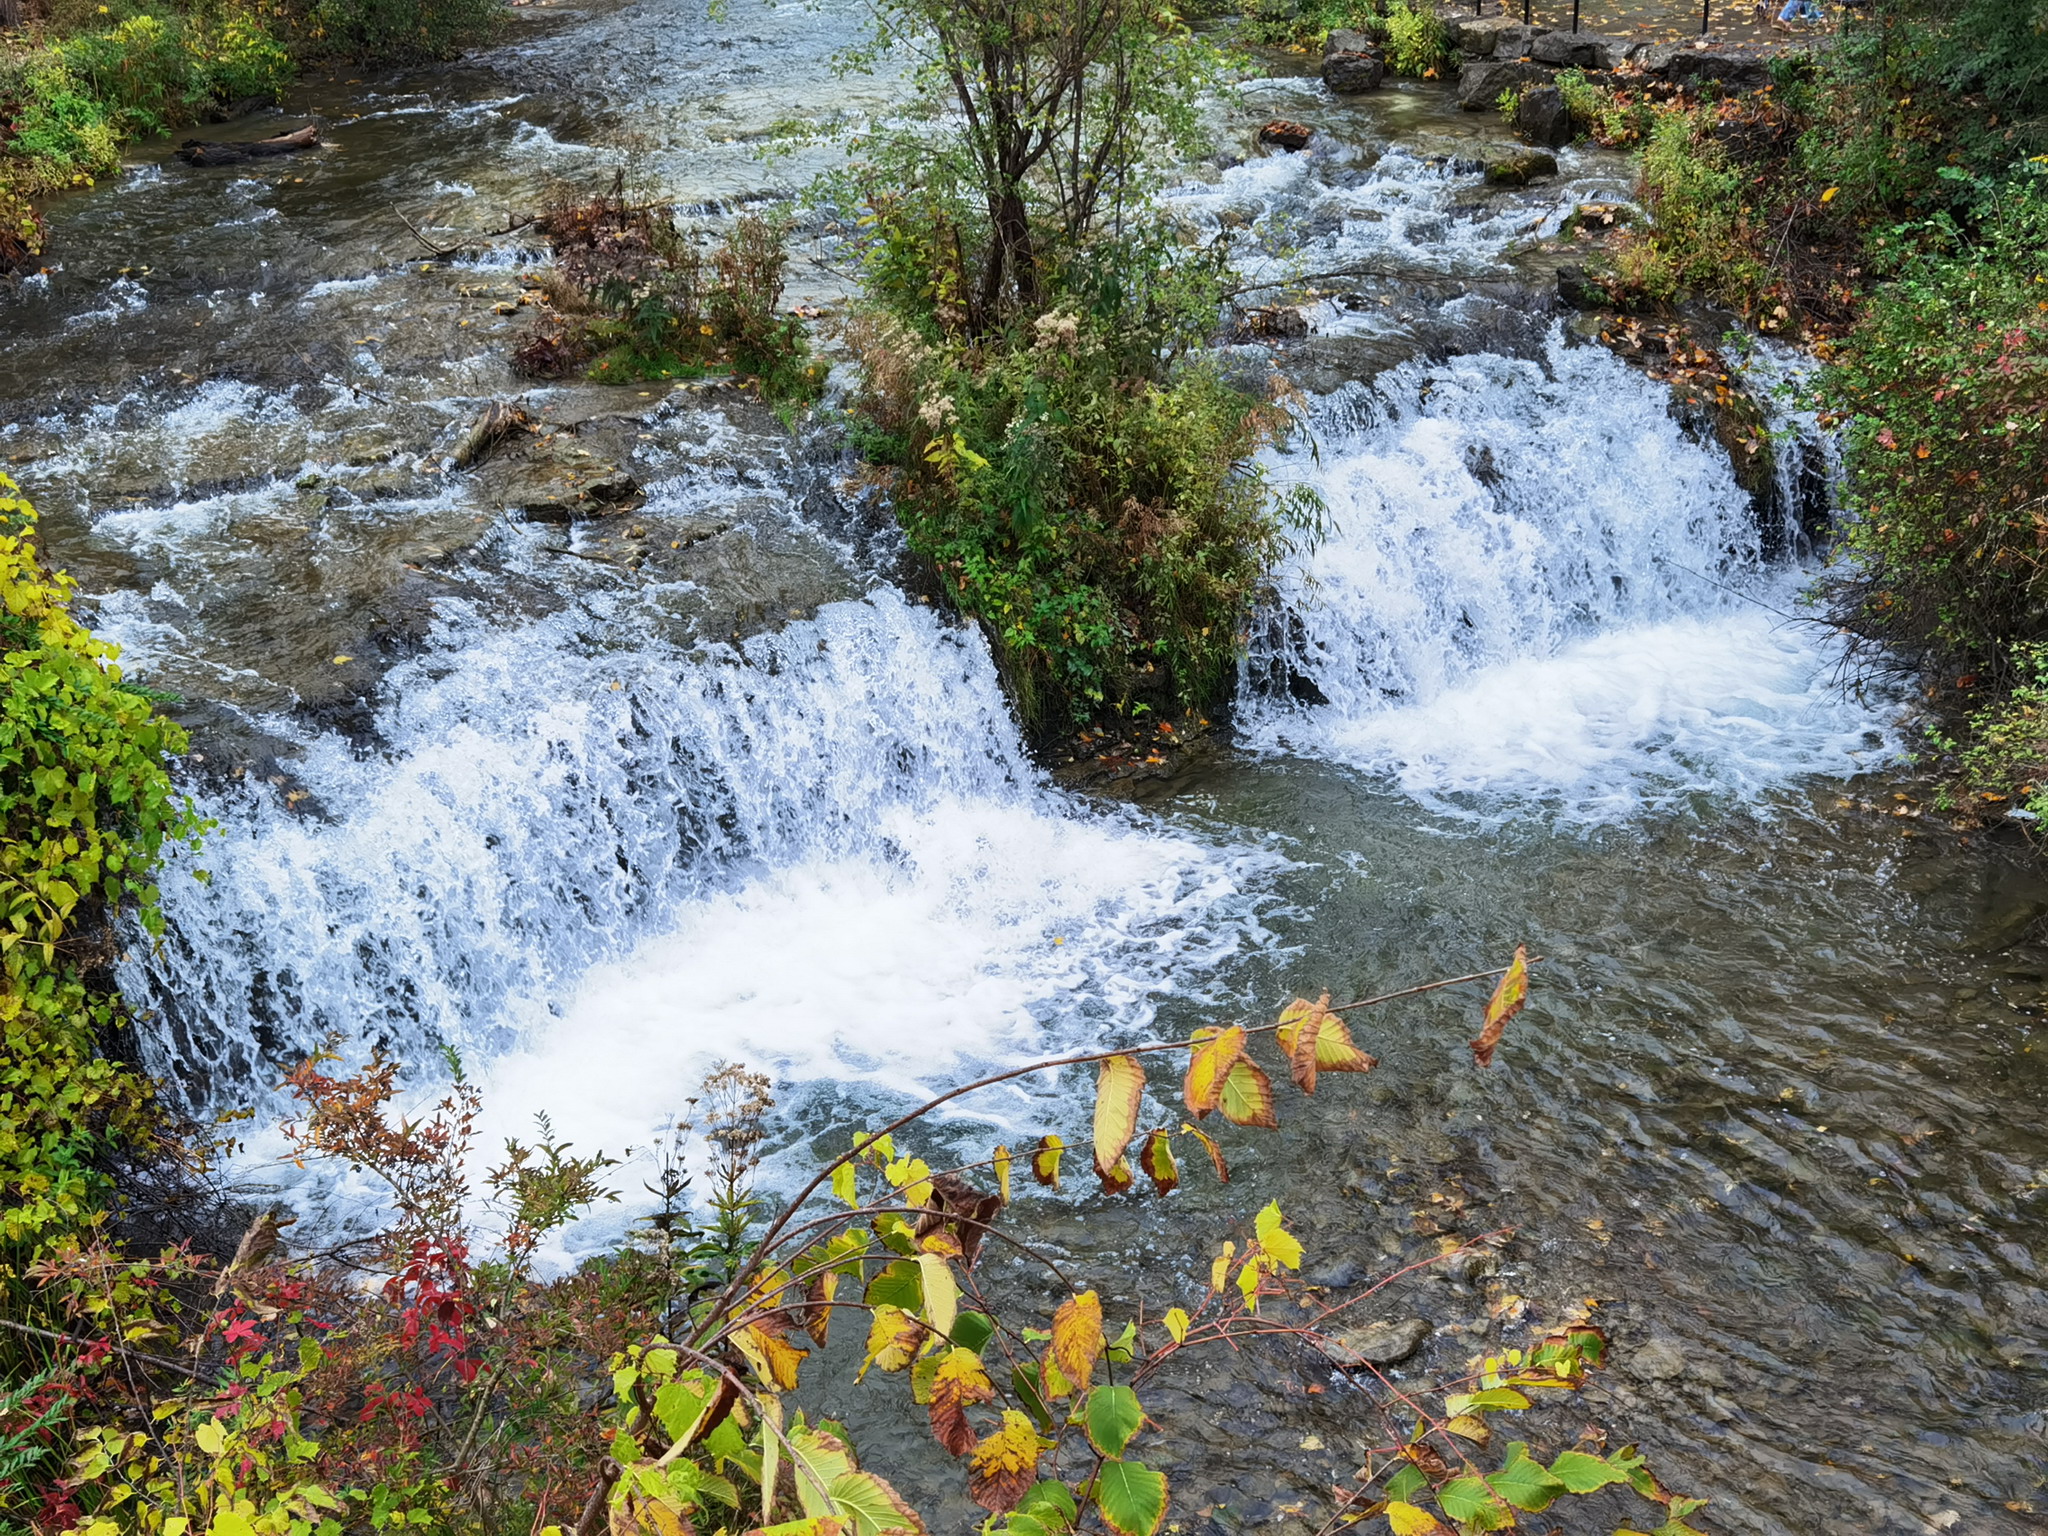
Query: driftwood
x,y
493,425
201,152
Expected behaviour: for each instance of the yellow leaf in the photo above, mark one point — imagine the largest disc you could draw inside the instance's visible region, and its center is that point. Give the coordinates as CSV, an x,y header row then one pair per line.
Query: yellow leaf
x,y
1176,1322
1316,1040
1247,1097
1408,1520
1117,1090
1215,1053
1045,1162
1275,1239
1219,1271
1829,195
1077,1337
893,1339
941,1292
1215,1152
1505,1003
774,1359
1005,1464
845,1184
341,661
1469,1426
1002,1161
210,1437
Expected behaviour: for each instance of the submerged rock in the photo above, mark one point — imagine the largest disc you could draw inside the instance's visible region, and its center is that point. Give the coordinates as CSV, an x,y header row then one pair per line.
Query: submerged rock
x,y
1520,168
1286,135
1383,1343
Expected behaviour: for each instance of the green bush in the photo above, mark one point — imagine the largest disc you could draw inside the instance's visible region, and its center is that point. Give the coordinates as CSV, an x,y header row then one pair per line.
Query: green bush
x,y
1942,385
1103,517
1415,39
1701,238
86,806
377,31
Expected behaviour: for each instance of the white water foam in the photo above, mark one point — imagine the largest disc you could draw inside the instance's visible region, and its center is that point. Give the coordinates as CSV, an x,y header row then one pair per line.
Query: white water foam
x,y
1540,592
596,874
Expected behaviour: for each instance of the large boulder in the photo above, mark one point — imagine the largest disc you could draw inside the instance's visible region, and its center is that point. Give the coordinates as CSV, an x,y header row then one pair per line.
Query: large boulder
x,y
1480,83
1344,40
1696,63
1486,37
1541,117
1520,168
1579,50
1349,73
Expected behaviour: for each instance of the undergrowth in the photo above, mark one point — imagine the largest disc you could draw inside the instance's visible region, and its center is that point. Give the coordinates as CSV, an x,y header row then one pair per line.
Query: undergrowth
x,y
1412,36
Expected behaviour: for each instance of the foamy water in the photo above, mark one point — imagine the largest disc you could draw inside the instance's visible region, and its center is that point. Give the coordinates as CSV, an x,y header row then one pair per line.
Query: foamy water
x,y
1540,594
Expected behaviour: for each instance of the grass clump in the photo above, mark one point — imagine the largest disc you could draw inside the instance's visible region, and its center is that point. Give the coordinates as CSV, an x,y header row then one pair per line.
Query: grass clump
x,y
636,299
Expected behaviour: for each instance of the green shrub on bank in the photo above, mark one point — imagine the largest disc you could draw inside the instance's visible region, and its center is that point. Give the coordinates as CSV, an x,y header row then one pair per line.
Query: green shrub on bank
x,y
391,31
1414,37
1943,385
86,806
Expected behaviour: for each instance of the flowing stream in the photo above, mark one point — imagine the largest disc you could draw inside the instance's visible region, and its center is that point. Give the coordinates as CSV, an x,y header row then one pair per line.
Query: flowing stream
x,y
597,806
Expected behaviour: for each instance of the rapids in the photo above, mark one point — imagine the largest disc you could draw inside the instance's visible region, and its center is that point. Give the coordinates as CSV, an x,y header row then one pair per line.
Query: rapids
x,y
596,808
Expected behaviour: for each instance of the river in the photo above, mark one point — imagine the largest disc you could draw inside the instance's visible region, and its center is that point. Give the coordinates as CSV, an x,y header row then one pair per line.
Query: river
x,y
597,806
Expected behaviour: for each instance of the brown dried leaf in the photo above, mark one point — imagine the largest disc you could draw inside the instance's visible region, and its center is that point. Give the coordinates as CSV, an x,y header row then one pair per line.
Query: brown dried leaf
x,y
1506,1002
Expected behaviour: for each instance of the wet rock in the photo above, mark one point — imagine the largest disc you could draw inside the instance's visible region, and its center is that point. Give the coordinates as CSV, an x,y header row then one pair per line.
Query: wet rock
x,y
1480,84
1335,1274
1473,1264
552,488
1286,135
1383,1343
1518,170
1541,117
1350,73
1277,322
1696,63
1578,290
1661,1359
494,423
1345,40
1735,421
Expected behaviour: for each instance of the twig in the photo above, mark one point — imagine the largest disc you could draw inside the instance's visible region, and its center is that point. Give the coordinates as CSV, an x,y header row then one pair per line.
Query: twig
x,y
119,1349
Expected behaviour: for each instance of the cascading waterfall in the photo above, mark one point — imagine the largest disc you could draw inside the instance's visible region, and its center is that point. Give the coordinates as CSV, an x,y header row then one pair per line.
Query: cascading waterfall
x,y
595,871
1538,588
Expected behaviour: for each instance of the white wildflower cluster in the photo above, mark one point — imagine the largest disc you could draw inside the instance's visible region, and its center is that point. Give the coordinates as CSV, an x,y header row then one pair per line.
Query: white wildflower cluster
x,y
938,413
1057,332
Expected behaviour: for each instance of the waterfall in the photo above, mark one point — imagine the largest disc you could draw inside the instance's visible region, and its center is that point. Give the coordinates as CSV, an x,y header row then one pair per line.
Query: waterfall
x,y
1538,591
595,870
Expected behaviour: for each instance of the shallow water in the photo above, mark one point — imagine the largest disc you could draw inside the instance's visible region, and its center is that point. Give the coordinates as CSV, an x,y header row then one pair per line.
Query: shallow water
x,y
597,820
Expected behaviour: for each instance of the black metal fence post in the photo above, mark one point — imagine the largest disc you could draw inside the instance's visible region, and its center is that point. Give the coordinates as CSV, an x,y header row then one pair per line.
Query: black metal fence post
x,y
1705,7
1525,12
1575,15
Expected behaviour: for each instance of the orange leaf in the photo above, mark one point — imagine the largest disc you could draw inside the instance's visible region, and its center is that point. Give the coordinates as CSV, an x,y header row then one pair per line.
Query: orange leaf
x,y
1248,1096
1159,1163
1306,1027
1005,1464
959,1385
1118,1179
1077,1337
1045,1162
1216,1051
1117,1089
1215,1152
1506,1002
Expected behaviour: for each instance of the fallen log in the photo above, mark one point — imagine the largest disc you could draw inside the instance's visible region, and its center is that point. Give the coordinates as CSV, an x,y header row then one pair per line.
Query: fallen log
x,y
203,152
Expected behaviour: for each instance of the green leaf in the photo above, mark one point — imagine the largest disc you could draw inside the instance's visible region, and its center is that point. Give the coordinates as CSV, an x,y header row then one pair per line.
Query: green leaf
x,y
1024,1386
899,1285
1051,1498
1471,1503
1275,1238
973,1330
1113,1417
1524,1483
1482,1402
1407,1483
1581,1473
845,1184
1132,1497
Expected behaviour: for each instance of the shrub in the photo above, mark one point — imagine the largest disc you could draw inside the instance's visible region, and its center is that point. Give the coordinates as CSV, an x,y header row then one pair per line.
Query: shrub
x,y
1941,384
86,806
1701,239
635,299
1414,36
1107,527
389,31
